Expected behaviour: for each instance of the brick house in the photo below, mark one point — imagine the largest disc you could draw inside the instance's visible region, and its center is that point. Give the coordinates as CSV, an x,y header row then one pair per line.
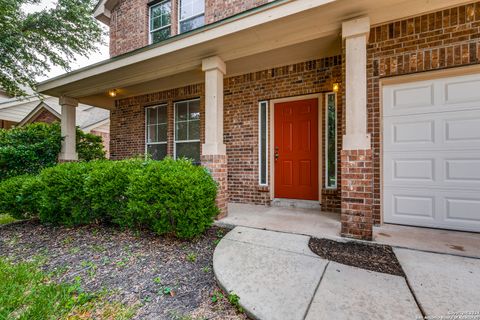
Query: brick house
x,y
368,108
19,112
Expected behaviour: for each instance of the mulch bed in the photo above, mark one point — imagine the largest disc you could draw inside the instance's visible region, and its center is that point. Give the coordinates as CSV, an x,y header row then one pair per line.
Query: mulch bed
x,y
164,277
378,258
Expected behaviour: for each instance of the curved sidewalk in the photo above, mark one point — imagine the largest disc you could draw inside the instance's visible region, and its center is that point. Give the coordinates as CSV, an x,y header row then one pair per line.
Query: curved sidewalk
x,y
277,277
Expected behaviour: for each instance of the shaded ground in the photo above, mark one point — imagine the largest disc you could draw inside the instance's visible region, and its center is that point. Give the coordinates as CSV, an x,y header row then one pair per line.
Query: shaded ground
x,y
371,257
165,277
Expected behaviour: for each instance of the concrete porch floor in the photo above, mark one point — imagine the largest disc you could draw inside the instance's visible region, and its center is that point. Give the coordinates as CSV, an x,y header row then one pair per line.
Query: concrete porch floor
x,y
320,224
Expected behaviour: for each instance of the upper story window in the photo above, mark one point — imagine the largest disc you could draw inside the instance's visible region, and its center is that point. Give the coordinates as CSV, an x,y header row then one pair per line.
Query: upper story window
x,y
191,15
160,21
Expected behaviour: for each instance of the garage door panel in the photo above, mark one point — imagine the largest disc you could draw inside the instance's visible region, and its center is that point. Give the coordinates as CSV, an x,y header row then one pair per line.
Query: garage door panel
x,y
445,209
431,153
464,130
463,90
448,131
413,207
434,169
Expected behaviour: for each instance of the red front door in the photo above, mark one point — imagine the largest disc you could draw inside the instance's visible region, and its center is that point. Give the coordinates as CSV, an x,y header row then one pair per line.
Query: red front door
x,y
296,150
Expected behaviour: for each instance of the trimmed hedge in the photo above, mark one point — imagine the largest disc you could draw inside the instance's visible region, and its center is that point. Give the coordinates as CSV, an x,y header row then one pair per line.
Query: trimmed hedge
x,y
168,196
172,197
29,149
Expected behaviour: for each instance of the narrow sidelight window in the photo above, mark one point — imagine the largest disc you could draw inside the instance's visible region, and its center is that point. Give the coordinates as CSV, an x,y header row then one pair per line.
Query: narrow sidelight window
x,y
331,140
191,15
263,143
187,130
156,131
160,21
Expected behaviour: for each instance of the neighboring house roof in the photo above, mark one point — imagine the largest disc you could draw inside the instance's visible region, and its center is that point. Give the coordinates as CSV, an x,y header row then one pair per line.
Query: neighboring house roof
x,y
21,111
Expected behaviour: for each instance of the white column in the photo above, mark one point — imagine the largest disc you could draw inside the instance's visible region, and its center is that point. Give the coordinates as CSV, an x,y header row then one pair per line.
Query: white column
x,y
355,33
214,69
68,129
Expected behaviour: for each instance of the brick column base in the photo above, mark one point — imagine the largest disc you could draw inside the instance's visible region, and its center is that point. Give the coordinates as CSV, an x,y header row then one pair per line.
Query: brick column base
x,y
217,165
357,194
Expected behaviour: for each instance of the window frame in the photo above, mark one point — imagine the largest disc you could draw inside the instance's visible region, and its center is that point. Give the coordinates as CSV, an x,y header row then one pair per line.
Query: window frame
x,y
327,186
260,146
175,128
150,31
147,125
180,20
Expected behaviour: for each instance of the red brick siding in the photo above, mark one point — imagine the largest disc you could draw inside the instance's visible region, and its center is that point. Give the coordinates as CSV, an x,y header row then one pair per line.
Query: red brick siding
x,y
127,121
439,40
216,10
357,194
44,116
128,26
129,20
241,97
217,165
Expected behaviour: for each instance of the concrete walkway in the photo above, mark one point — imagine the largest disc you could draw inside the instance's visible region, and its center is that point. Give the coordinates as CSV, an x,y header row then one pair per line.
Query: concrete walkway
x,y
320,224
276,276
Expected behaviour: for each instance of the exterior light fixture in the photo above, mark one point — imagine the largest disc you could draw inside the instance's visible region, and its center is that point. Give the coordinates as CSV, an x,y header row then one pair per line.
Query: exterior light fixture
x,y
335,86
112,93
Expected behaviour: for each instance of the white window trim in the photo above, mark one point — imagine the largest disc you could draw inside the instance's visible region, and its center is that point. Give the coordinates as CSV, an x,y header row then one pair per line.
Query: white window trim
x,y
326,141
150,31
260,142
175,128
188,18
146,125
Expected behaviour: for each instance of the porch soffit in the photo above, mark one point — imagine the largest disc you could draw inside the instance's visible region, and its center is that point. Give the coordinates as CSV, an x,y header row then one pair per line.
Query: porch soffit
x,y
283,33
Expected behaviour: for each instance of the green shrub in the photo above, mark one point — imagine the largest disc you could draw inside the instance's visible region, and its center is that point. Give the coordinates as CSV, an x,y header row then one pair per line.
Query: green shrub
x,y
29,149
63,199
89,146
169,196
106,187
172,196
19,196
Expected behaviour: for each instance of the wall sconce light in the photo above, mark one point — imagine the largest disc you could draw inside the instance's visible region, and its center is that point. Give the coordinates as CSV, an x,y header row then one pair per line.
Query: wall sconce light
x,y
112,93
335,86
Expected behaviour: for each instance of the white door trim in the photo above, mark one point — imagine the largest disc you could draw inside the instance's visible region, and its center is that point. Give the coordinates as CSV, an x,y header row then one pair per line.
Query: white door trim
x,y
319,97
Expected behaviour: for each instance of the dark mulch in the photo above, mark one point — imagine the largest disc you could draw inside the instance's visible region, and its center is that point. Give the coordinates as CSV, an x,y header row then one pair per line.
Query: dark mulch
x,y
135,269
371,257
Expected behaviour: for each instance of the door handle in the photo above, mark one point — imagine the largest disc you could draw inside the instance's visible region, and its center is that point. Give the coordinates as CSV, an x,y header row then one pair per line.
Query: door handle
x,y
276,153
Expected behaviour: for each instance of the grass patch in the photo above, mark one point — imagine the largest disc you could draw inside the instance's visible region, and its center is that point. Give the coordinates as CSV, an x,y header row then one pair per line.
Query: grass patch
x,y
28,293
6,219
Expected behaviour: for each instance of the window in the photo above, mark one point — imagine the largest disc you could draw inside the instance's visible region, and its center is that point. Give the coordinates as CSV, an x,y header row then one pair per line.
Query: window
x,y
156,131
187,130
263,143
331,140
191,15
160,21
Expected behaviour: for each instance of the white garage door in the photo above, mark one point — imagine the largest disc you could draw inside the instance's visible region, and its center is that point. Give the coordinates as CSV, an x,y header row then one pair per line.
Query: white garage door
x,y
431,153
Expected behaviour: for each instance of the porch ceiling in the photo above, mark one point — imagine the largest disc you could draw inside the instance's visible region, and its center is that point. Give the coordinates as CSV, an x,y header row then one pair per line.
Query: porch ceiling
x,y
279,34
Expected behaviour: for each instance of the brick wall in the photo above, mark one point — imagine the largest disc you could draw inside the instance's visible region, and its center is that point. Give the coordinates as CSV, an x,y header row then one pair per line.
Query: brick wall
x,y
356,166
44,116
439,40
216,10
241,97
129,20
127,121
128,26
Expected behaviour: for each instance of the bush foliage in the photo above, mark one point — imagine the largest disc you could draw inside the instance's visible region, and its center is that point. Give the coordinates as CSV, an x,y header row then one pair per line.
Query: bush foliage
x,y
168,196
28,149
